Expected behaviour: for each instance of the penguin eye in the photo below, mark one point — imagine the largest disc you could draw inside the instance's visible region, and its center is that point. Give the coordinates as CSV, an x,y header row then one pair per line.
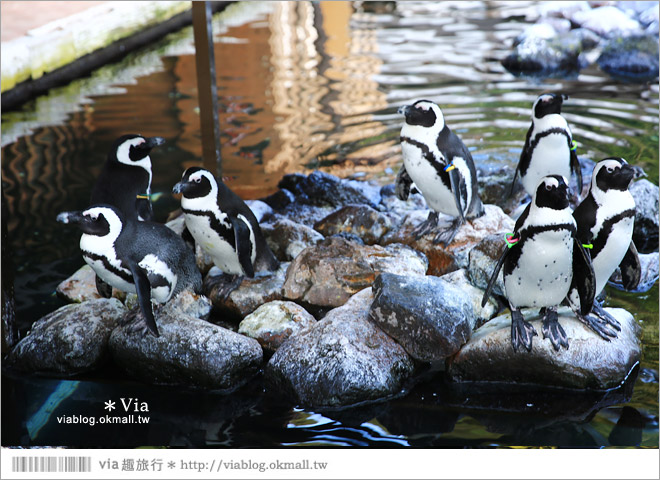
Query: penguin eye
x,y
548,187
610,170
197,179
94,216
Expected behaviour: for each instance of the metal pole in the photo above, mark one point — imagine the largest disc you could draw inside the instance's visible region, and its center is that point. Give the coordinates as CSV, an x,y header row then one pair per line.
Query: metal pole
x,y
206,86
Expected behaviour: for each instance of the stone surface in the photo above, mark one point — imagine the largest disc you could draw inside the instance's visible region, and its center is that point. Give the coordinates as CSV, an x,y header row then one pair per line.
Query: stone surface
x,y
606,21
650,263
539,56
189,352
274,322
455,256
589,363
330,272
287,238
482,260
428,316
250,294
71,340
645,234
634,58
260,209
459,279
343,359
81,287
366,223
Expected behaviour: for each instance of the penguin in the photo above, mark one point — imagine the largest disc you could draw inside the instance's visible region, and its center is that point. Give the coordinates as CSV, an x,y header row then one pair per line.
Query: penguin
x,y
542,258
548,146
441,168
224,226
125,183
146,258
605,220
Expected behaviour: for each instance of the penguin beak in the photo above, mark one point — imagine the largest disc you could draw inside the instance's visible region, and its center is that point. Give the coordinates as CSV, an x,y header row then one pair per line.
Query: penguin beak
x,y
403,110
564,96
152,142
628,173
179,187
70,217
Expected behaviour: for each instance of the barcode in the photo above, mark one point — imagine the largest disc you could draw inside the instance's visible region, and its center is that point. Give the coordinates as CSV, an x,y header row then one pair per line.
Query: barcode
x,y
51,464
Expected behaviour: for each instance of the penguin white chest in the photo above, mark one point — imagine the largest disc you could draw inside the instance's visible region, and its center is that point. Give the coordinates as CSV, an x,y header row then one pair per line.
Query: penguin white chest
x,y
611,255
224,256
543,274
551,156
102,257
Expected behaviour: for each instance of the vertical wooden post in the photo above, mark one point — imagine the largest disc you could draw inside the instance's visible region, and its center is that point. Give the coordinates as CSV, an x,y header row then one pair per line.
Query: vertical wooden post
x,y
206,86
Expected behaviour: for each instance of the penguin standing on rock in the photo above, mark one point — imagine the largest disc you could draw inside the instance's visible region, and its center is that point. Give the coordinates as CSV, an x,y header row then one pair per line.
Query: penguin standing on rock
x,y
542,258
441,167
224,226
549,148
136,257
605,220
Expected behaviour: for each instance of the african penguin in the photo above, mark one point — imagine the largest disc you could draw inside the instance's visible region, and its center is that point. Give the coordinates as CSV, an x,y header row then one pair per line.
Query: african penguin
x,y
223,225
548,146
440,166
541,259
146,258
605,220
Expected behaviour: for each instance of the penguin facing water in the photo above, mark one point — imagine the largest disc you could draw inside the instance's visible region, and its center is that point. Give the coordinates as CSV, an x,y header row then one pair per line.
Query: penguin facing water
x,y
440,166
136,257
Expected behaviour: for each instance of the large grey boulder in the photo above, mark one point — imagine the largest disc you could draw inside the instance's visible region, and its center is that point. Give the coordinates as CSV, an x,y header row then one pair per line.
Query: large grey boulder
x,y
428,316
631,58
287,238
589,363
360,220
71,340
328,274
341,360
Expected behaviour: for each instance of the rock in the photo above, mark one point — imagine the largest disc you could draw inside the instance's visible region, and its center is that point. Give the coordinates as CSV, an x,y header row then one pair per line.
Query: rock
x,y
203,259
320,188
482,261
280,199
189,352
541,57
306,214
341,360
391,202
632,58
260,209
69,341
287,238
459,279
273,323
368,224
650,263
495,185
188,303
589,363
606,21
645,234
251,293
445,260
177,224
328,274
79,287
562,9
428,316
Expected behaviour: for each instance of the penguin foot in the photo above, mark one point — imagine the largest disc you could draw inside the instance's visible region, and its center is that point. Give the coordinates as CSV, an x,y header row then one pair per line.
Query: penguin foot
x,y
552,329
601,313
427,226
221,286
598,325
521,331
134,323
445,237
104,289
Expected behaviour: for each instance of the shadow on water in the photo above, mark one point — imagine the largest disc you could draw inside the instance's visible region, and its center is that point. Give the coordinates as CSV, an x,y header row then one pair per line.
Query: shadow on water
x,y
307,86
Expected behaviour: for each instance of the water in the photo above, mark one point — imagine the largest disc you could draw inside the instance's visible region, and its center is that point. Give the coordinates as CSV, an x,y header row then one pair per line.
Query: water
x,y
311,86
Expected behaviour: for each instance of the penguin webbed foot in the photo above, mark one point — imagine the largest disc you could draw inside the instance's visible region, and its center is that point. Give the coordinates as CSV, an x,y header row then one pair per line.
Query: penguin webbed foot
x,y
221,286
446,236
552,329
521,331
602,327
134,323
427,226
601,313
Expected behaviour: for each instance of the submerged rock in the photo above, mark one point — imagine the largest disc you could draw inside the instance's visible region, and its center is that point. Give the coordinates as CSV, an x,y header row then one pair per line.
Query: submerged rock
x,y
71,340
632,58
189,352
328,274
368,224
287,238
428,316
539,56
645,234
274,322
589,363
341,360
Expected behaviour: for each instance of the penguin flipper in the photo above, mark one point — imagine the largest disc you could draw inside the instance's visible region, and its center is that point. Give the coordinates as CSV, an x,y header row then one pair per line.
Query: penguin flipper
x,y
584,279
144,209
402,184
455,183
575,167
631,269
243,244
513,183
143,289
493,277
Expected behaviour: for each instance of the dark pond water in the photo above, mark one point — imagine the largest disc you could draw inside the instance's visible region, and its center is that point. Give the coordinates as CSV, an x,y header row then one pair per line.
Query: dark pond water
x,y
311,86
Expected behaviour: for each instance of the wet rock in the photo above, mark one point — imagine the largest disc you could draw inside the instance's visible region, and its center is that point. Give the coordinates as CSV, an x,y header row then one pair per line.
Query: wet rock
x,y
589,363
187,303
538,56
189,352
368,224
428,316
455,256
320,188
287,238
650,264
328,274
306,214
251,293
341,360
79,287
482,261
495,186
632,58
459,279
645,234
280,199
273,323
606,21
260,209
71,340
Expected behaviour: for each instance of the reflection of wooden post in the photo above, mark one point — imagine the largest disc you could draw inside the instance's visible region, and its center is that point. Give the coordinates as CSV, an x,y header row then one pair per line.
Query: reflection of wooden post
x,y
206,88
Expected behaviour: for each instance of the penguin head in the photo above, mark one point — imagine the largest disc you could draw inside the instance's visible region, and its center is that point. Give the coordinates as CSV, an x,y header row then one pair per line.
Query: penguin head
x,y
97,220
612,173
424,113
552,192
196,182
547,104
134,149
